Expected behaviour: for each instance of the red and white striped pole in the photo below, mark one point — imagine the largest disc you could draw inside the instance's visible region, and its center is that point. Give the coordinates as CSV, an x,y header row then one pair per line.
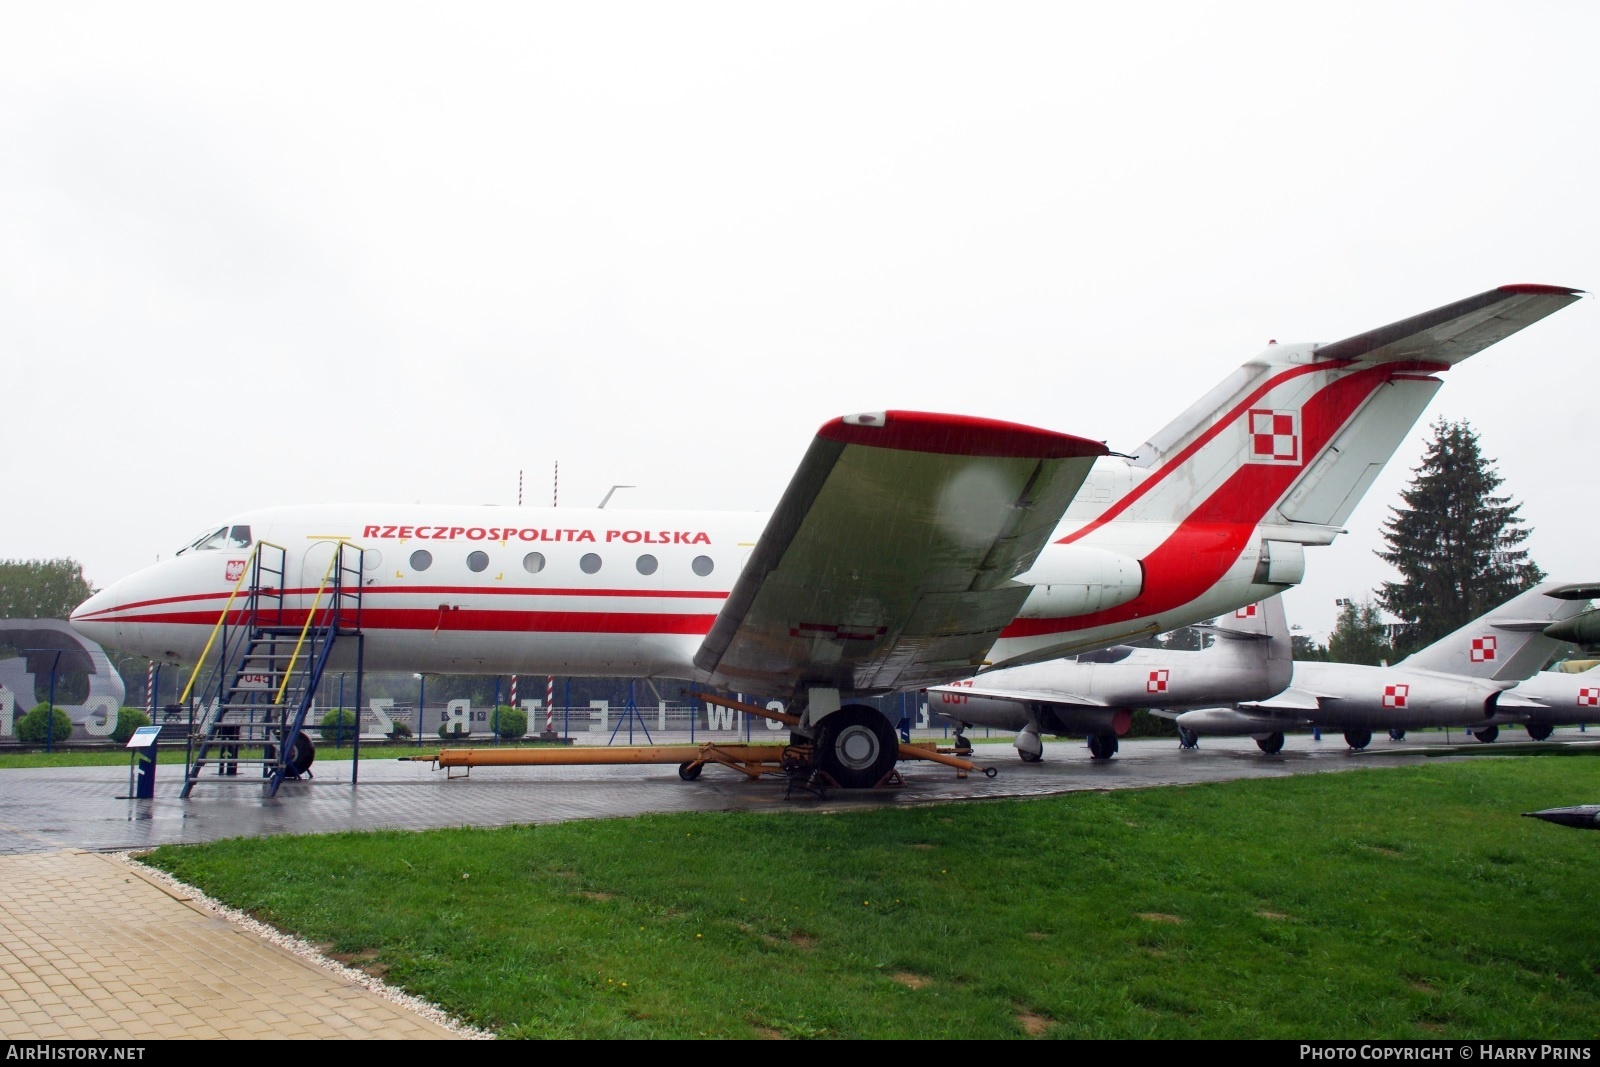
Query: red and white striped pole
x,y
550,704
150,690
514,691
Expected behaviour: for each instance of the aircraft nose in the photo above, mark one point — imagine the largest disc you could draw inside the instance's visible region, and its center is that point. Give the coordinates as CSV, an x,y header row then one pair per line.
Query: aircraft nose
x,y
90,617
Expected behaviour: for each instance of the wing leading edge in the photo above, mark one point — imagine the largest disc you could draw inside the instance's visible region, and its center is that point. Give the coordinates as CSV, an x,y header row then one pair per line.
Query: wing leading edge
x,y
887,563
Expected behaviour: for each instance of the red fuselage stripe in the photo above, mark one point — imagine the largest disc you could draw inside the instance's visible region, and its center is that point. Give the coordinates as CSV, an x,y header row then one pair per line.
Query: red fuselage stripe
x,y
477,620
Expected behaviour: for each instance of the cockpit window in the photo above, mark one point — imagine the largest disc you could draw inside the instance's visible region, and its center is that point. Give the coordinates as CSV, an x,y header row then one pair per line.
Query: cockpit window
x,y
211,539
239,537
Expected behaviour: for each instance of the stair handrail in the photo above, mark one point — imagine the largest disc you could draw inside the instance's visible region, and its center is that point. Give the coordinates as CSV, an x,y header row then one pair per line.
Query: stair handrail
x,y
222,618
305,628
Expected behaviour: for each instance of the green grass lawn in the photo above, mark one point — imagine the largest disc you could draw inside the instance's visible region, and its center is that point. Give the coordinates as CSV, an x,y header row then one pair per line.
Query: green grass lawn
x,y
1402,903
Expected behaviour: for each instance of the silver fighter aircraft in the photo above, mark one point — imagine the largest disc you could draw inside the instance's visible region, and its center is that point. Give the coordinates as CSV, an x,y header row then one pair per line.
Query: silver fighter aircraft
x,y
1460,680
1094,694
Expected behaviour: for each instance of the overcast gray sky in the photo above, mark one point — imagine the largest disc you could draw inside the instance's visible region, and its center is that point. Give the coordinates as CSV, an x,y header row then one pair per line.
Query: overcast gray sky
x,y
281,253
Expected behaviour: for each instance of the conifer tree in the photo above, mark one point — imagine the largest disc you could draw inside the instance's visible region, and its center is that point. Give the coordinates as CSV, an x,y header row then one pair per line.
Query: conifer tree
x,y
1455,541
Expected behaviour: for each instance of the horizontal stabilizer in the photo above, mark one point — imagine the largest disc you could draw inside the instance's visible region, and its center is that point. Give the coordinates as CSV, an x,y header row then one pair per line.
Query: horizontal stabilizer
x,y
1451,333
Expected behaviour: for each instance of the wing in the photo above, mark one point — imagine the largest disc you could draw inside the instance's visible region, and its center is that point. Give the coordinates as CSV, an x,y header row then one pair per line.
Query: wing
x,y
888,562
1452,333
1023,696
1290,701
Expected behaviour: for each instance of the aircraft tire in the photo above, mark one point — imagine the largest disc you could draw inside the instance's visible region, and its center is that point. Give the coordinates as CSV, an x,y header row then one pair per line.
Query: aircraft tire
x,y
690,770
1272,744
1539,732
301,754
1397,735
1358,739
1029,757
1103,746
857,747
1487,734
1187,738
963,743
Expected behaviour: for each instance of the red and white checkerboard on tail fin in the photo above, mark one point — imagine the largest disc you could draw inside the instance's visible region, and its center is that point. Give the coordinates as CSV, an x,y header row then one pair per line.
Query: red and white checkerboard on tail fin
x,y
1509,642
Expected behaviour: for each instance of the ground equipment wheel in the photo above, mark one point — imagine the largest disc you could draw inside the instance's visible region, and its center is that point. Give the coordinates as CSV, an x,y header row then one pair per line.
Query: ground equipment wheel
x,y
1539,733
1487,734
1187,738
856,746
1103,746
301,753
1358,739
1271,744
690,770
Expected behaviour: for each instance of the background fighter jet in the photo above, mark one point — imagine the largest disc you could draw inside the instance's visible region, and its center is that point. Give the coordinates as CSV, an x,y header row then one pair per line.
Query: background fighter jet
x,y
1459,680
1547,700
1095,693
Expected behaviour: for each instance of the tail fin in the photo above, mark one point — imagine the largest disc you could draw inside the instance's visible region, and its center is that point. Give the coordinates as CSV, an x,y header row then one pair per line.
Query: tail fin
x,y
1297,435
1509,643
1257,636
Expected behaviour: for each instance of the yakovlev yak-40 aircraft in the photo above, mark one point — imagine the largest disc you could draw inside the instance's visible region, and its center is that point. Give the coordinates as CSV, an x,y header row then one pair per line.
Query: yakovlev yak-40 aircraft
x,y
908,550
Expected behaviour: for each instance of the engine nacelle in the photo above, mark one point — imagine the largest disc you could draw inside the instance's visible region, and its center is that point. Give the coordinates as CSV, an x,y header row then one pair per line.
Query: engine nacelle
x,y
1077,580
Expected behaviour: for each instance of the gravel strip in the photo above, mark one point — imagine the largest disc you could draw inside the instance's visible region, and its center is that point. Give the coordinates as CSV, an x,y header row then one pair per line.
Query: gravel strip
x,y
305,950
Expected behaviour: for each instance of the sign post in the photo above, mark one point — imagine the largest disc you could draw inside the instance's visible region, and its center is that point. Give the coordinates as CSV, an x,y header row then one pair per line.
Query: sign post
x,y
142,772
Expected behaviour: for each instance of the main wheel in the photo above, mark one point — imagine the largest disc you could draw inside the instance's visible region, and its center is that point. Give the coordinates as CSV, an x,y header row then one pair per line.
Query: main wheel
x,y
1271,744
1540,732
1397,735
1029,757
857,747
1358,739
1487,734
690,770
1187,738
1103,746
963,743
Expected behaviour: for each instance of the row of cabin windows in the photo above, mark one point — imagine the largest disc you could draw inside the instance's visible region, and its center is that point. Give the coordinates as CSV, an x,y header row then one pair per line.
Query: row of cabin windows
x,y
534,562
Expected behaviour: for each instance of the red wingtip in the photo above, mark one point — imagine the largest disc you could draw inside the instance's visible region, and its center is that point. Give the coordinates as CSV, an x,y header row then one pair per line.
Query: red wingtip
x,y
958,435
1532,289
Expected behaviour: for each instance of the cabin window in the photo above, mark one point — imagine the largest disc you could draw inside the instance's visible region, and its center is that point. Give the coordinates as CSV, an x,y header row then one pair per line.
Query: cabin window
x,y
477,561
371,560
702,565
646,563
590,563
533,562
421,559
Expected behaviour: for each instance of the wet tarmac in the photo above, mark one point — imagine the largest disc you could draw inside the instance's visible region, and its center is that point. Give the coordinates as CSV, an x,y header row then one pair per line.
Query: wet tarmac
x,y
88,807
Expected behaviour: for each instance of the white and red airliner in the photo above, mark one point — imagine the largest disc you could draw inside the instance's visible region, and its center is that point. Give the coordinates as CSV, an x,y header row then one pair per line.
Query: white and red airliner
x,y
909,549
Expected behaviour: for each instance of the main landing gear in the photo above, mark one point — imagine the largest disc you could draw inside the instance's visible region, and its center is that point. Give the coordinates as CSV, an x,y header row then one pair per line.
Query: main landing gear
x,y
1188,740
856,747
1539,732
1358,739
962,741
1487,734
1271,744
1102,746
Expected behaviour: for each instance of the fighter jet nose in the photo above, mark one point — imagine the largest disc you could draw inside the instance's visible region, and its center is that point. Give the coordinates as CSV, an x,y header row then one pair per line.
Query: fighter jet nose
x,y
1579,816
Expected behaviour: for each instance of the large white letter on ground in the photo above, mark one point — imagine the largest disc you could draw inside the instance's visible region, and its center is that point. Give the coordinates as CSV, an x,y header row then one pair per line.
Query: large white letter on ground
x,y
774,724
379,710
457,711
105,726
8,707
601,714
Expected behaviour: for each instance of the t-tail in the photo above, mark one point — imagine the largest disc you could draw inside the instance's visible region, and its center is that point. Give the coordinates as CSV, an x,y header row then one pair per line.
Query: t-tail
x,y
1509,643
1216,509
